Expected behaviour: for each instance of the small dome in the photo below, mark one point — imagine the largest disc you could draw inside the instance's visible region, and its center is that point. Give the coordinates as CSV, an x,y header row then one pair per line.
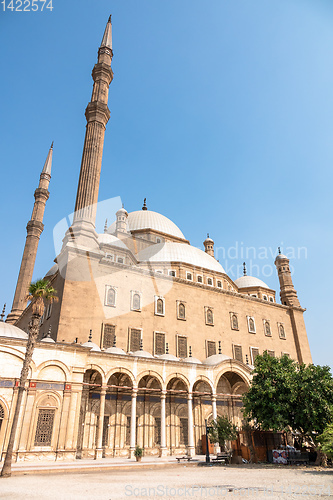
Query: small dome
x,y
249,282
169,357
281,256
190,359
48,339
52,271
91,345
11,331
215,359
142,354
146,219
115,350
122,211
109,239
179,252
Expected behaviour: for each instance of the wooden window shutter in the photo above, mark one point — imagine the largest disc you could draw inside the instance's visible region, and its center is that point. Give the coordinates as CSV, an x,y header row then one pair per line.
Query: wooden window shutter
x,y
182,347
211,348
108,337
135,339
254,353
238,354
159,343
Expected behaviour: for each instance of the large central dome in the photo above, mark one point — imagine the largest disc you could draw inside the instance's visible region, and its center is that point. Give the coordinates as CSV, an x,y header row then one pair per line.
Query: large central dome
x,y
146,219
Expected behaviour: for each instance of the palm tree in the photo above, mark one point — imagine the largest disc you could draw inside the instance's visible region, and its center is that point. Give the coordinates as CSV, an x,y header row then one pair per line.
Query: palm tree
x,y
39,292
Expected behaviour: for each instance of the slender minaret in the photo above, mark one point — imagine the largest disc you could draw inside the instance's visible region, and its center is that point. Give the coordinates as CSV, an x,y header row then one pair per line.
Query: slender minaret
x,y
97,115
288,293
209,246
34,229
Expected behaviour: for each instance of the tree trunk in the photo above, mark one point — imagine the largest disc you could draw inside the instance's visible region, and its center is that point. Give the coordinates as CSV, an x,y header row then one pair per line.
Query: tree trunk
x,y
33,334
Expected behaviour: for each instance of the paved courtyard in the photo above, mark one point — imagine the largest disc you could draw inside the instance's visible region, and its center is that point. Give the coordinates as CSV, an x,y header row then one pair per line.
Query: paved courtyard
x,y
174,481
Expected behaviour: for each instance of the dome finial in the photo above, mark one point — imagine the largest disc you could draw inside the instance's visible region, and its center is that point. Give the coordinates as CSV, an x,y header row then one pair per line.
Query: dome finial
x,y
244,269
279,250
114,341
220,348
190,351
106,226
207,235
90,336
3,313
141,344
144,204
48,335
167,348
246,359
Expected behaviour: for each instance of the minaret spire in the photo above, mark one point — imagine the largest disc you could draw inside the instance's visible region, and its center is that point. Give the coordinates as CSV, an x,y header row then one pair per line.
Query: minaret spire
x,y
97,115
34,229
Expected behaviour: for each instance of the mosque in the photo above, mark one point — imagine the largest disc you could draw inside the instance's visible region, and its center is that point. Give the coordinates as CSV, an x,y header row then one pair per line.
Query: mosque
x,y
150,336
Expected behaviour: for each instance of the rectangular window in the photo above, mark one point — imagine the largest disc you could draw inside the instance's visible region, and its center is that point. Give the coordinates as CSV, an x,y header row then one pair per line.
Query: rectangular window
x,y
49,310
44,427
199,279
210,348
183,431
181,346
159,343
189,276
172,273
209,316
219,284
282,333
285,354
134,339
209,281
234,321
254,353
265,297
267,328
181,310
238,353
120,260
271,353
108,336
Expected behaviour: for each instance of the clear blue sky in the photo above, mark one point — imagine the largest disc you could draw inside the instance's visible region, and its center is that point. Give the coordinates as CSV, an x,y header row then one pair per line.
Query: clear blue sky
x,y
221,115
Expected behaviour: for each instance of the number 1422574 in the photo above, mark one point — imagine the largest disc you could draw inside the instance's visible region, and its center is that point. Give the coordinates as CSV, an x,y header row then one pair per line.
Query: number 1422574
x,y
27,5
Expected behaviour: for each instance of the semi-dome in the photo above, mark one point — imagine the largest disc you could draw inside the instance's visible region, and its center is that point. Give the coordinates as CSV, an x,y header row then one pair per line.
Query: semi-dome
x,y
52,271
169,357
142,354
115,350
215,359
249,282
179,252
191,359
110,239
48,339
11,331
91,345
146,219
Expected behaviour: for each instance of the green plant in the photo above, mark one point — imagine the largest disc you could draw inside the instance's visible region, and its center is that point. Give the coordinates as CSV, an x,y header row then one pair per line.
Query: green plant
x,y
326,441
222,430
138,452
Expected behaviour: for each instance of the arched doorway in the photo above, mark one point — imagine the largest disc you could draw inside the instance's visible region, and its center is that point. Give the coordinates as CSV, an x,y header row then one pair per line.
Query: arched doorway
x,y
148,414
117,416
177,431
89,414
202,410
229,392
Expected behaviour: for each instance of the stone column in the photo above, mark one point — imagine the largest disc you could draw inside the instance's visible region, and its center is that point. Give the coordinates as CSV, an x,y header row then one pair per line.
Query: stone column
x,y
190,447
26,418
133,422
163,424
99,449
73,418
64,418
214,409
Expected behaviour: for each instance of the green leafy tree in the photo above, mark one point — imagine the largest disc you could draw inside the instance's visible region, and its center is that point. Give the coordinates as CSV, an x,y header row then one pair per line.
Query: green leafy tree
x,y
271,395
284,395
39,292
222,430
326,441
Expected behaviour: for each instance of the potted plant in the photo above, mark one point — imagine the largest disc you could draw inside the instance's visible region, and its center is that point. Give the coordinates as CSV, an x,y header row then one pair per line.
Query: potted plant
x,y
138,452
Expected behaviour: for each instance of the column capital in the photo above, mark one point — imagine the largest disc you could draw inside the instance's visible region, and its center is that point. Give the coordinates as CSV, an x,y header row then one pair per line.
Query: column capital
x,y
163,394
190,396
135,392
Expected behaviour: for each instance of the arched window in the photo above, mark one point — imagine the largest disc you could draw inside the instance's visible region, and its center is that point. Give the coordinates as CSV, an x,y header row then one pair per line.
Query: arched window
x,y
282,332
136,301
2,415
234,322
209,281
111,297
251,324
210,319
181,311
267,328
159,306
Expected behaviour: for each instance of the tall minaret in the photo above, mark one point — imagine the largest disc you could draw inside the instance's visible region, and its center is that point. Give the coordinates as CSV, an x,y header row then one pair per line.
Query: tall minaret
x,y
97,115
34,229
209,245
288,293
